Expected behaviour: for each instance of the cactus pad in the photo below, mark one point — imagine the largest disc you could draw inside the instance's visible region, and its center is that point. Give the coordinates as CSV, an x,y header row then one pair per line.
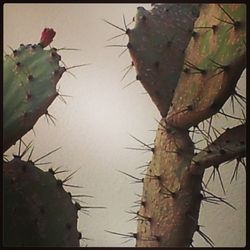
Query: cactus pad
x,y
157,46
30,77
37,210
215,59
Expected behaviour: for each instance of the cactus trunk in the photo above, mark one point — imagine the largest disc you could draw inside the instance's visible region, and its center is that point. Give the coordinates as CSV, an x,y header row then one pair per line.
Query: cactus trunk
x,y
171,198
189,78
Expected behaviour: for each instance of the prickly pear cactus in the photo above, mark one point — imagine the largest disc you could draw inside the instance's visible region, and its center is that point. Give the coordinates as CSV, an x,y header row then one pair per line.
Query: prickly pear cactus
x,y
31,74
189,58
37,211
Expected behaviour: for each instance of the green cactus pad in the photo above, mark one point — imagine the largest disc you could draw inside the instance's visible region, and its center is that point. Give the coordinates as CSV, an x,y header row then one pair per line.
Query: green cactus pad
x,y
30,77
215,59
157,46
37,210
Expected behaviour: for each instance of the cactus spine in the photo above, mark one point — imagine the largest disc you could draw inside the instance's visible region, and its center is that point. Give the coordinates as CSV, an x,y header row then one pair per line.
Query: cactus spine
x,y
189,58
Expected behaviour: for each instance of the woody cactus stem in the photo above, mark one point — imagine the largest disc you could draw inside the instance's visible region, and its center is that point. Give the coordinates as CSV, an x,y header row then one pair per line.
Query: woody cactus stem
x,y
170,193
189,58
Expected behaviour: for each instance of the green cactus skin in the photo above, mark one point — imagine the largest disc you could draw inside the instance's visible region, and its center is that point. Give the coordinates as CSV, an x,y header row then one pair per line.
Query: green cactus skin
x,y
204,79
157,46
218,54
37,209
30,77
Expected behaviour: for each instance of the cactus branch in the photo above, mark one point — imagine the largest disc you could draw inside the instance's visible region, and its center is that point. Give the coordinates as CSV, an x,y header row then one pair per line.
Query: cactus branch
x,y
230,145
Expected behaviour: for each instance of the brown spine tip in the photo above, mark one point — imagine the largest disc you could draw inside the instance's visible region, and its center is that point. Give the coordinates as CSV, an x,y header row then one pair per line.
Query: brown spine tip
x,y
77,206
214,28
194,34
57,74
169,44
18,66
30,78
15,52
55,56
51,171
237,25
28,96
138,78
129,46
190,107
135,235
79,235
186,70
128,31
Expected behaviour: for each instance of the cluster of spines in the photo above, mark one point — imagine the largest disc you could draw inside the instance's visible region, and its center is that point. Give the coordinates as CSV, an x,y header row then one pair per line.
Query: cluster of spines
x,y
19,170
31,75
152,51
211,74
224,140
216,68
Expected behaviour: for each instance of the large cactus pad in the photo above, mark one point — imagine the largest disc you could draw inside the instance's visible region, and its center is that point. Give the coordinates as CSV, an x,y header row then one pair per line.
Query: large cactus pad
x,y
37,211
215,59
157,46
